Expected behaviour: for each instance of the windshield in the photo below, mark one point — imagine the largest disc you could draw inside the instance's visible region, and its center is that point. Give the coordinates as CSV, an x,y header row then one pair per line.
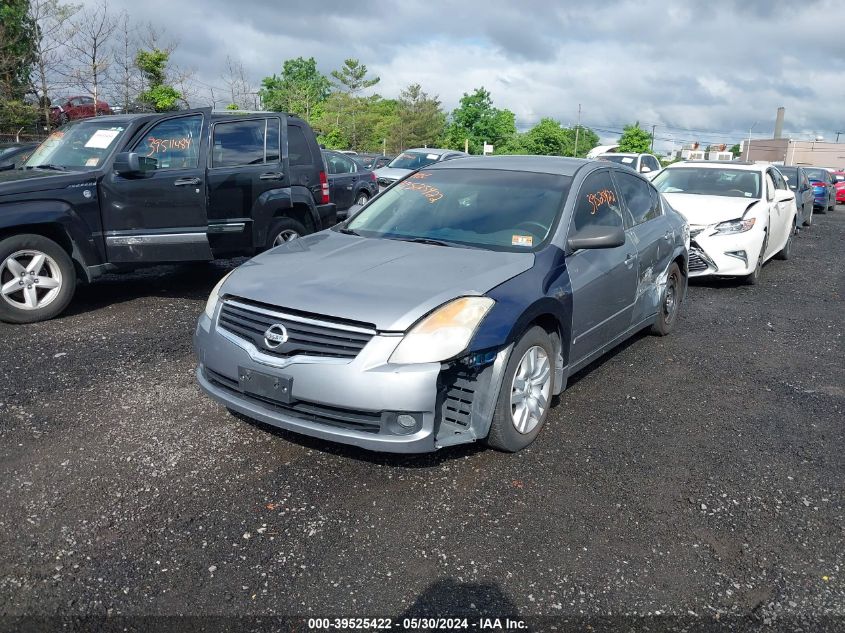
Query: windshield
x,y
81,145
705,181
413,160
493,209
620,159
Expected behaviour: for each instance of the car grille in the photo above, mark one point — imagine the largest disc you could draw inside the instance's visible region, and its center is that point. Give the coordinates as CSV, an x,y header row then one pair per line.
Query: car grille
x,y
457,401
365,421
308,334
696,263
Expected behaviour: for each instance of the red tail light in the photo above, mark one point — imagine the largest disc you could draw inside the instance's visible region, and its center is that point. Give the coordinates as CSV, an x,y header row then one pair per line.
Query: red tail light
x,y
324,187
373,176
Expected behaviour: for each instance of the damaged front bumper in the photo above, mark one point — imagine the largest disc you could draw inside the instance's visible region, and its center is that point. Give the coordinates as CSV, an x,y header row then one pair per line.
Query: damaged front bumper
x,y
366,401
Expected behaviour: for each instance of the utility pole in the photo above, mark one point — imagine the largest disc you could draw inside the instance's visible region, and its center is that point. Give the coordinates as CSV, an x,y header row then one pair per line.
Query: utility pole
x,y
748,157
837,136
577,129
652,138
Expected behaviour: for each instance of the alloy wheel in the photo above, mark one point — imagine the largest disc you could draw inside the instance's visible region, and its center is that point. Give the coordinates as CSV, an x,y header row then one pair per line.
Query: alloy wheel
x,y
30,280
531,390
285,236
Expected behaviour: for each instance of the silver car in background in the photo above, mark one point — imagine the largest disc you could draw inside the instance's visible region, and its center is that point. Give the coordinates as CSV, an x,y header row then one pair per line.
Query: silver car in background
x,y
411,160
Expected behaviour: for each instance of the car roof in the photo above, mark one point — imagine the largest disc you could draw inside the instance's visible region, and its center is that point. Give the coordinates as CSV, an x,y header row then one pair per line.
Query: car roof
x,y
720,164
622,154
556,165
435,150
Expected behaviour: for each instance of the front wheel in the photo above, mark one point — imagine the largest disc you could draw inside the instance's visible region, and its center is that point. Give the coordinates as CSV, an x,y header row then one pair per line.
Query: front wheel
x,y
37,279
526,393
754,278
670,302
362,199
785,252
284,230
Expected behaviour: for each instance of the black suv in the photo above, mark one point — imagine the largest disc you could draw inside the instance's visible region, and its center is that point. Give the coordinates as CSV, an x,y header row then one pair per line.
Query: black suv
x,y
119,192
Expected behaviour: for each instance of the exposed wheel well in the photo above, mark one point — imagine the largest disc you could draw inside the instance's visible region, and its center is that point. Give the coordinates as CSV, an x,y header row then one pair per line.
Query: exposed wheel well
x,y
553,327
53,231
301,213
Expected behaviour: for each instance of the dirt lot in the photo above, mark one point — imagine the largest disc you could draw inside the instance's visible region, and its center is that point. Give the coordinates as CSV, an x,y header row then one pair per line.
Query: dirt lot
x,y
693,476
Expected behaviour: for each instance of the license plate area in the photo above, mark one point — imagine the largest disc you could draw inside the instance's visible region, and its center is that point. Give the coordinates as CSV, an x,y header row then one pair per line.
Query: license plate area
x,y
256,383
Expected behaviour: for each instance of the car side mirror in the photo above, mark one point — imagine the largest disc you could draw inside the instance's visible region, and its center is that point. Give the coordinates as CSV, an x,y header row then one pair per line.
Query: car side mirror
x,y
595,236
130,164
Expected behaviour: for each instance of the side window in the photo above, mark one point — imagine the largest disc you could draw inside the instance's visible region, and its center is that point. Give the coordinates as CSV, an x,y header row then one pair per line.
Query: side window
x,y
597,204
347,165
782,184
770,186
173,144
331,163
299,152
238,143
274,154
639,197
653,163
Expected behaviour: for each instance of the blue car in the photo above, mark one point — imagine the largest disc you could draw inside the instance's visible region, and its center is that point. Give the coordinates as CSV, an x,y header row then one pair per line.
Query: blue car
x,y
824,189
449,309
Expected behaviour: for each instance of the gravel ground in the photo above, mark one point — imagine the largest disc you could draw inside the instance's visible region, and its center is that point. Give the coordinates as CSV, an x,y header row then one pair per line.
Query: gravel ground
x,y
691,479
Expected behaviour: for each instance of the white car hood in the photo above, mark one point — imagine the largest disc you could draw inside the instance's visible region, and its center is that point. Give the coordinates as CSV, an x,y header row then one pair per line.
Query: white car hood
x,y
392,172
706,210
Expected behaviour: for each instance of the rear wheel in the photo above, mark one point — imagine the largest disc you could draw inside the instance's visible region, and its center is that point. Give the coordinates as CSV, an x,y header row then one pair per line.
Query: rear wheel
x,y
284,230
526,393
670,302
362,198
37,279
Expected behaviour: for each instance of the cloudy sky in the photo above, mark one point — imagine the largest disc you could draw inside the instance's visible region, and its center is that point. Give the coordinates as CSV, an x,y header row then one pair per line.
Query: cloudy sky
x,y
699,71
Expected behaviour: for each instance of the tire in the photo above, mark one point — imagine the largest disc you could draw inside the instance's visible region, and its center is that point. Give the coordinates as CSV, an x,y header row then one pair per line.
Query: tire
x,y
363,198
504,434
754,278
832,206
284,230
670,302
809,220
63,118
53,281
783,254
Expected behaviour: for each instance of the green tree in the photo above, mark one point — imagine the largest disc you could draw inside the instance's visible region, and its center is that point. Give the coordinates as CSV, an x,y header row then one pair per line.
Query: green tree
x,y
735,150
17,49
300,88
419,120
159,96
476,119
548,138
352,78
635,139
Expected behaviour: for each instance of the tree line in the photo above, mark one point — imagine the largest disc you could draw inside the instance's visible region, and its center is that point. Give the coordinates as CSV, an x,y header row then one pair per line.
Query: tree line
x,y
50,49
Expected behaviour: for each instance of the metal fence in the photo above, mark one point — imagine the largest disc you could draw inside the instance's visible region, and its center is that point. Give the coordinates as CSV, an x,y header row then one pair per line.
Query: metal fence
x,y
22,138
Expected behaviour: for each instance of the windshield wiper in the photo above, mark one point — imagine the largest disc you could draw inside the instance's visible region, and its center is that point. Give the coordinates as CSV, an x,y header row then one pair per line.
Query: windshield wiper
x,y
48,166
423,240
346,231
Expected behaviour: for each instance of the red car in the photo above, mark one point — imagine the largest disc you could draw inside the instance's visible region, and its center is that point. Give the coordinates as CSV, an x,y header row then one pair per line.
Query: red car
x,y
839,183
76,108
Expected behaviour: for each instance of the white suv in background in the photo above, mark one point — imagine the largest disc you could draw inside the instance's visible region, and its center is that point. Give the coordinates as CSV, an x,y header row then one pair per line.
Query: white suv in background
x,y
646,164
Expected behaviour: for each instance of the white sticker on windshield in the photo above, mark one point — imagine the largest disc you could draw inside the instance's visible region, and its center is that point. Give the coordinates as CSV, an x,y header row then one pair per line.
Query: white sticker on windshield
x,y
101,139
522,240
627,160
432,156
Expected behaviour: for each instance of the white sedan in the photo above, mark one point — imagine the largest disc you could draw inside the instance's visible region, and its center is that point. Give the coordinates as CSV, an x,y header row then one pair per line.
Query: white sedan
x,y
740,215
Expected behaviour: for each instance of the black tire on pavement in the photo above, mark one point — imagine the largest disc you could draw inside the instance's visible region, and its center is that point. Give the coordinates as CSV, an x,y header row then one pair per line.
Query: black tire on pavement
x,y
670,302
56,257
284,230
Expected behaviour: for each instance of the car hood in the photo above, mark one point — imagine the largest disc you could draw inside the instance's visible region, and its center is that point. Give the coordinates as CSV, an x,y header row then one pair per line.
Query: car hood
x,y
388,283
392,172
16,181
707,210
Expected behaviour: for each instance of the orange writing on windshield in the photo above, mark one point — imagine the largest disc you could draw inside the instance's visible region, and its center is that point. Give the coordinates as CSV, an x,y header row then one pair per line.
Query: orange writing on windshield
x,y
433,194
605,196
419,175
161,145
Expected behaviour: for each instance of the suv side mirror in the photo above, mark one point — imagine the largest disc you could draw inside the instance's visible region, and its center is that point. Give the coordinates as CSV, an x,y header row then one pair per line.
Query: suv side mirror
x,y
130,164
595,236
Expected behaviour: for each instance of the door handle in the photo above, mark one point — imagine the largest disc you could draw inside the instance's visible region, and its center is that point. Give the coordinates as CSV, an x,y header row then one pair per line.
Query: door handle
x,y
271,175
667,235
629,260
183,182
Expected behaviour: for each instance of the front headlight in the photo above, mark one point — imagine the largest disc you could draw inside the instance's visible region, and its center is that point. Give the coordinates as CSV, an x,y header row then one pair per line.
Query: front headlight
x,y
214,297
444,333
735,226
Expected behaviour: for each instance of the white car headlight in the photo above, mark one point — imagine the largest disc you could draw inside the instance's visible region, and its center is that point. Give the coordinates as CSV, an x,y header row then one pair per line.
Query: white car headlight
x,y
214,297
735,226
444,333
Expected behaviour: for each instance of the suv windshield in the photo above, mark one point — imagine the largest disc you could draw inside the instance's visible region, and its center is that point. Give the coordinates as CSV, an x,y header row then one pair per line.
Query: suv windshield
x,y
80,145
705,181
413,160
485,208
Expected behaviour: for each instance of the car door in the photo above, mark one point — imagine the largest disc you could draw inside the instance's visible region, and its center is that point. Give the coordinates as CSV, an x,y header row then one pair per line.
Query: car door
x,y
244,166
787,208
342,177
604,281
652,237
159,215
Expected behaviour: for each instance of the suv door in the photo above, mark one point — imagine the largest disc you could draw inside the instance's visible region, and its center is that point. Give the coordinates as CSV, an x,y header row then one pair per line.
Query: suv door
x,y
651,236
342,179
604,281
159,215
245,165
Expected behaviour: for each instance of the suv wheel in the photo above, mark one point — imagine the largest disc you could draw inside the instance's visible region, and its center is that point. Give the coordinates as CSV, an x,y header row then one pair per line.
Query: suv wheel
x,y
37,279
362,198
284,230
526,393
